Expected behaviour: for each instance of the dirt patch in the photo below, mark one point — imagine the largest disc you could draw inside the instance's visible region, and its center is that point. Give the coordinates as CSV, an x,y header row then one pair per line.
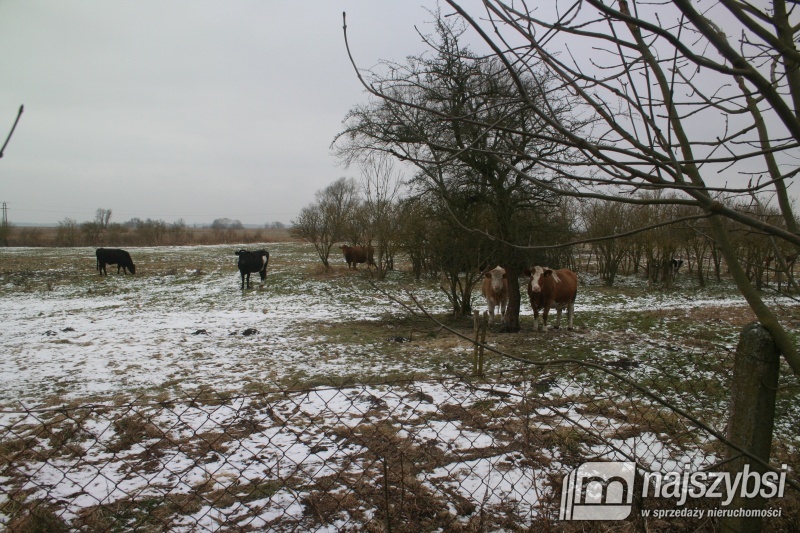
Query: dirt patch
x,y
735,315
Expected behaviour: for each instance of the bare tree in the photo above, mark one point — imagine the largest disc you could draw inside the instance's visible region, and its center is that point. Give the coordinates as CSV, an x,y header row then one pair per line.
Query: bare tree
x,y
414,237
459,257
102,217
309,226
602,218
91,232
323,222
67,233
381,185
430,113
668,101
178,232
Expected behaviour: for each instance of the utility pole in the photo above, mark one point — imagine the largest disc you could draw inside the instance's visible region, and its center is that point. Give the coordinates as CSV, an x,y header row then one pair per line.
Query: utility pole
x,y
4,228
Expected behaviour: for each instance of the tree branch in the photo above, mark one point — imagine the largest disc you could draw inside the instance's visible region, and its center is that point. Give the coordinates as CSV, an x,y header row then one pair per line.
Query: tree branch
x,y
19,114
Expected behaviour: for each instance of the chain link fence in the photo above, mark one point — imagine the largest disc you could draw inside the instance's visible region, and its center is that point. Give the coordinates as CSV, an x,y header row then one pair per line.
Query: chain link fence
x,y
455,454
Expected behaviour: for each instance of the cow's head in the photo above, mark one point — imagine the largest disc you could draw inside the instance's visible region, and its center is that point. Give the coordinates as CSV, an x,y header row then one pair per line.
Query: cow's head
x,y
538,275
244,256
497,275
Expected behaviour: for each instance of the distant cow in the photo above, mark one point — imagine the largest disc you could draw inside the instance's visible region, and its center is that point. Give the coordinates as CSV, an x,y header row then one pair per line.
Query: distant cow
x,y
495,289
251,262
114,256
551,288
675,265
358,254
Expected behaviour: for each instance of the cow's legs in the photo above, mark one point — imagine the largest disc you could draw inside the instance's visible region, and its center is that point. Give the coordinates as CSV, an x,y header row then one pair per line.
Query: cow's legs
x,y
503,312
491,312
545,312
570,313
558,317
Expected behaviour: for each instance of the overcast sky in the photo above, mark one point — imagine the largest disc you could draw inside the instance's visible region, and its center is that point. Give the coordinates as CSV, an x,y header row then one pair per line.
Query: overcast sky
x,y
187,109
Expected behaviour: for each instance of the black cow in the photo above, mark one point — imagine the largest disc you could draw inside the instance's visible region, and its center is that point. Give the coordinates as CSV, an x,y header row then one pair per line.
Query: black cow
x,y
675,265
251,262
358,254
114,256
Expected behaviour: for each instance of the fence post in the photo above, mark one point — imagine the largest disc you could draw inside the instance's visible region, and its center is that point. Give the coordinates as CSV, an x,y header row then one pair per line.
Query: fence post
x,y
751,415
386,499
481,324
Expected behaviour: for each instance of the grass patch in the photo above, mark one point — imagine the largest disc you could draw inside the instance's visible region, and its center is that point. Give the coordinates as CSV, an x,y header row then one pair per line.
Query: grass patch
x,y
133,429
388,436
33,517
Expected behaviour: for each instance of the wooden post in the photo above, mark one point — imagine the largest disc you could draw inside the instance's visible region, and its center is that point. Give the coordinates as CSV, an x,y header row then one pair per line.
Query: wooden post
x,y
752,414
480,324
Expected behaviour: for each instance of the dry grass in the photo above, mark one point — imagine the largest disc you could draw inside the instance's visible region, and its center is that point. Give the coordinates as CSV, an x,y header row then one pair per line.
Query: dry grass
x,y
47,237
386,478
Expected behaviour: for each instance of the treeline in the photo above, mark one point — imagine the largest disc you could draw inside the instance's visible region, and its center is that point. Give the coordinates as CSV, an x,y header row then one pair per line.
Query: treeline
x,y
137,232
457,241
453,238
684,233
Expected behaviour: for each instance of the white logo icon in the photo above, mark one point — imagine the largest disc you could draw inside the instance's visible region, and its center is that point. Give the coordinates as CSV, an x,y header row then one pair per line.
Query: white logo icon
x,y
598,491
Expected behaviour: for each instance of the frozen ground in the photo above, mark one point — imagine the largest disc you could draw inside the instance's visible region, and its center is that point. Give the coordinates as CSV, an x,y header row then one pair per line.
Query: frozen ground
x,y
67,332
175,329
165,353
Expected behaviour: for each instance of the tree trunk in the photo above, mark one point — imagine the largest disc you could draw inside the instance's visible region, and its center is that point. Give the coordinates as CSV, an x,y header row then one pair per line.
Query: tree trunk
x,y
764,314
511,323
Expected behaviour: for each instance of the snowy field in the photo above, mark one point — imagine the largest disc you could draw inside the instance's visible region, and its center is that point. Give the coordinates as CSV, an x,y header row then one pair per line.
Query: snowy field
x,y
141,401
178,324
71,333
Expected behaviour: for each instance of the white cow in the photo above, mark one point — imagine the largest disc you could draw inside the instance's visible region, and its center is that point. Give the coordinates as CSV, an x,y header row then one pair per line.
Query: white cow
x,y
495,289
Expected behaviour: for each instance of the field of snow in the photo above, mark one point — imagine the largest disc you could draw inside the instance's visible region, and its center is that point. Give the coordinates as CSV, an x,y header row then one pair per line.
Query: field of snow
x,y
139,402
71,333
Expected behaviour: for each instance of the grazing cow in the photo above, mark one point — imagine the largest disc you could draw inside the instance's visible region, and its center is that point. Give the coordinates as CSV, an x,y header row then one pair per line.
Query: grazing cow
x,y
114,256
495,289
252,262
551,288
358,254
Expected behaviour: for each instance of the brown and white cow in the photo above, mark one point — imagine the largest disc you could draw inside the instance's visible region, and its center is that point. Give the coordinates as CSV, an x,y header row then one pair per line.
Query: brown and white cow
x,y
358,254
495,289
551,288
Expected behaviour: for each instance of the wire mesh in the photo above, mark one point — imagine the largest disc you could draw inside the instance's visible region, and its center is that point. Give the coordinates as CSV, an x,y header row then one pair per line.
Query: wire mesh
x,y
456,454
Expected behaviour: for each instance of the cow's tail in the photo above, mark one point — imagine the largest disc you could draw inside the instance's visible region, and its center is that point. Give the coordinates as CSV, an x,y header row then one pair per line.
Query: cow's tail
x,y
263,271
